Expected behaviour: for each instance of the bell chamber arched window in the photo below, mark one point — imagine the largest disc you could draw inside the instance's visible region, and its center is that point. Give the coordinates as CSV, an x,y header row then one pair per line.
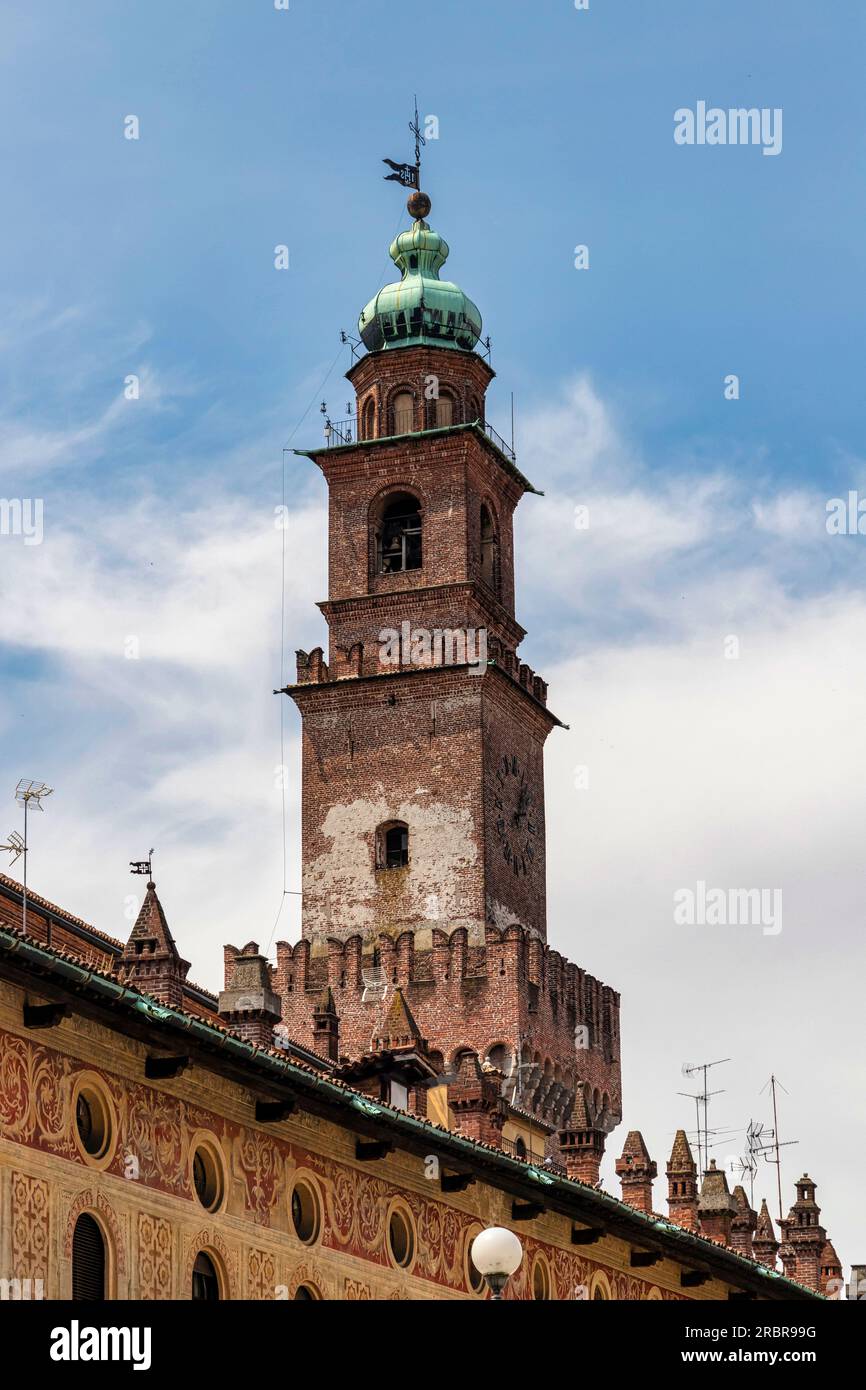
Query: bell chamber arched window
x,y
398,535
403,412
489,556
445,413
88,1260
368,418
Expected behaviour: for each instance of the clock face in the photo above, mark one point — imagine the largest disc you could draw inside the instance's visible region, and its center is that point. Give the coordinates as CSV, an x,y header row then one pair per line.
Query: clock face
x,y
516,823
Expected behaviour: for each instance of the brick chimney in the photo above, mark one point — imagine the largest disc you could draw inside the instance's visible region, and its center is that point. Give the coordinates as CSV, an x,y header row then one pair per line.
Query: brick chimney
x,y
248,1004
716,1206
150,960
326,1026
765,1247
743,1224
636,1170
476,1101
805,1235
682,1176
581,1143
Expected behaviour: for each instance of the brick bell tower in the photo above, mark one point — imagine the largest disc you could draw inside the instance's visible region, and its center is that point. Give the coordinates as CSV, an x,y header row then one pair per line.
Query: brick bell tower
x,y
423,829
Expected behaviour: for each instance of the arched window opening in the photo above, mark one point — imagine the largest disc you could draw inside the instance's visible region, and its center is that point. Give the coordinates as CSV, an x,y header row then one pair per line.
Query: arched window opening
x,y
444,411
368,418
392,846
399,537
475,411
205,1284
489,566
404,412
88,1261
500,1057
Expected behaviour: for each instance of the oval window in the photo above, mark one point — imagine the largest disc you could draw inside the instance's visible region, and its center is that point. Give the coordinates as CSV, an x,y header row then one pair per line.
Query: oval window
x,y
306,1212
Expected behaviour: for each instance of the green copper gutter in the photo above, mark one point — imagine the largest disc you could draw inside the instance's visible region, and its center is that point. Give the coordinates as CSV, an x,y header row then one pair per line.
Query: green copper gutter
x,y
473,425
412,1130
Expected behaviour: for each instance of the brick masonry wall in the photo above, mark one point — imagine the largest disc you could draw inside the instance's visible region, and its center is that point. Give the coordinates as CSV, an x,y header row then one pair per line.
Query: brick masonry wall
x,y
433,758
512,990
154,1226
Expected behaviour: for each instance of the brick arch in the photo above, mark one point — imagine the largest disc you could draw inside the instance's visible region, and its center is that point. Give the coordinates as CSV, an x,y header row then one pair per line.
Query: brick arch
x,y
405,389
368,410
375,511
487,503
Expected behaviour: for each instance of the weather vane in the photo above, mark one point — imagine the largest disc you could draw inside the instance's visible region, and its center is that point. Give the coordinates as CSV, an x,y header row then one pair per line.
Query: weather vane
x,y
142,866
409,175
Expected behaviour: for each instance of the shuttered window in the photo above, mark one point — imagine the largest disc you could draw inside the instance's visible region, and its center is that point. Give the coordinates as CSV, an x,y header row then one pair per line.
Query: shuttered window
x,y
88,1260
205,1284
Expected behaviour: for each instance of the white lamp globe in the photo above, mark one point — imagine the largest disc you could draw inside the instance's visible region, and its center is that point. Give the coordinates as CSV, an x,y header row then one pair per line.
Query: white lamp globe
x,y
496,1252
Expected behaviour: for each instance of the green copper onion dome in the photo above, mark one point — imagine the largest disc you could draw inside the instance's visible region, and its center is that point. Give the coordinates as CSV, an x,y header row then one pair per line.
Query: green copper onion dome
x,y
420,308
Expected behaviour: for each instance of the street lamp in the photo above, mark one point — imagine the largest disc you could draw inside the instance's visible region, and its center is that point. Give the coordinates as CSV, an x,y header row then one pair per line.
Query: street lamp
x,y
496,1253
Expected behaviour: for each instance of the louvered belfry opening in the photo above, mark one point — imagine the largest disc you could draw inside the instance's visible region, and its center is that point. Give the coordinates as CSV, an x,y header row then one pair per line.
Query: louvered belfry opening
x,y
88,1260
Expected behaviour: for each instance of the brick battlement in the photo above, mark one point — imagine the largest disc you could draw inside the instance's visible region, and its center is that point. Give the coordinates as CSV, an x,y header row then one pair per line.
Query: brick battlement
x,y
357,661
512,991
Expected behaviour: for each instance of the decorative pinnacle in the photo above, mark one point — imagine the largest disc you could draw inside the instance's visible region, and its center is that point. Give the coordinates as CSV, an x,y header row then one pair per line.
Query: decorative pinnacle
x,y
418,205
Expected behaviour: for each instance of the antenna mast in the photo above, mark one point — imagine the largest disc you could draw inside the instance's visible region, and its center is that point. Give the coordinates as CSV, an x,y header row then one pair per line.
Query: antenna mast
x,y
702,1097
777,1144
25,792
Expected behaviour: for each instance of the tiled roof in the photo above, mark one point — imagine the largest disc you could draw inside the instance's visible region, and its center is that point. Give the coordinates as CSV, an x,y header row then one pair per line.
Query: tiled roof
x,y
115,947
625,1212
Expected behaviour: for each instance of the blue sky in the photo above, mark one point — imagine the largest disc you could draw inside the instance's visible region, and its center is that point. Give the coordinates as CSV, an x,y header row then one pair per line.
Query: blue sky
x,y
155,257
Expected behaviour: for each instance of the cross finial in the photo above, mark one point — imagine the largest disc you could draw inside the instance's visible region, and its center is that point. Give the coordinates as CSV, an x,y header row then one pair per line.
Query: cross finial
x,y
409,175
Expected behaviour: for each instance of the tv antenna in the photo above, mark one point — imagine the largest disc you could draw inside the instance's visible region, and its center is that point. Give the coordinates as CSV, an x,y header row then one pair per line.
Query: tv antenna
x,y
26,792
702,1098
374,981
776,1144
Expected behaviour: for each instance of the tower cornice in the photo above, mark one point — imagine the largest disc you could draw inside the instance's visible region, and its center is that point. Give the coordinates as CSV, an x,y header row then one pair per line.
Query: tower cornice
x,y
361,447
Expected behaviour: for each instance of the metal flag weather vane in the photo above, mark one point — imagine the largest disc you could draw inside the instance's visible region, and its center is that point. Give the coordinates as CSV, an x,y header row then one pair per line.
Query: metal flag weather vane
x,y
409,175
142,866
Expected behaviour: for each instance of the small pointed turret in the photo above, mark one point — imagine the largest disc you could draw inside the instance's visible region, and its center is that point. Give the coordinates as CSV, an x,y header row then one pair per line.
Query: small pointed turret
x,y
682,1176
636,1170
744,1222
398,1028
764,1243
326,1026
832,1283
150,960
